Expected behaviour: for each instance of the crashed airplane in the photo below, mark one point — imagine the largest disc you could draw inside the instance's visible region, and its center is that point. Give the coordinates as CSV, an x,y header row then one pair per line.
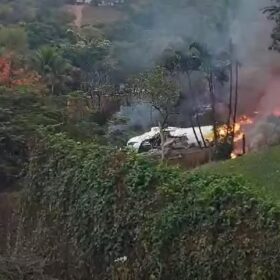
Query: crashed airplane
x,y
186,136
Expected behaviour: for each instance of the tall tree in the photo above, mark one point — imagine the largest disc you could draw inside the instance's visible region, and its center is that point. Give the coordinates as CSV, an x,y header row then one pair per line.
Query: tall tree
x,y
52,67
158,89
186,61
216,72
273,13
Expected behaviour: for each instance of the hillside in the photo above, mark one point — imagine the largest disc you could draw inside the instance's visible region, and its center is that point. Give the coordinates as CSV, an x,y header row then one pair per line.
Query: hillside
x,y
99,16
76,203
261,170
124,216
102,15
107,212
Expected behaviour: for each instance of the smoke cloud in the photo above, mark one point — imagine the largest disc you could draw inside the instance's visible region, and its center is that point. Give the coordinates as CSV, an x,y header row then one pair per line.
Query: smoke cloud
x,y
243,23
265,133
140,116
168,23
259,66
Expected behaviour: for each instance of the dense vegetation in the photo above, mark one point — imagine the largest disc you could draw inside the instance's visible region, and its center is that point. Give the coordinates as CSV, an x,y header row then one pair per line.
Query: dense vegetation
x,y
83,209
23,113
117,213
89,211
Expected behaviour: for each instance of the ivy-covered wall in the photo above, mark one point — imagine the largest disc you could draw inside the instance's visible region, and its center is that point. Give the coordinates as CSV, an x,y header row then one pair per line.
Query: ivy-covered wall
x,y
22,114
98,213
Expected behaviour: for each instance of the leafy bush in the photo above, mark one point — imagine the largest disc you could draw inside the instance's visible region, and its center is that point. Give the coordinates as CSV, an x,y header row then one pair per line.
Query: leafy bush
x,y
94,212
21,116
13,38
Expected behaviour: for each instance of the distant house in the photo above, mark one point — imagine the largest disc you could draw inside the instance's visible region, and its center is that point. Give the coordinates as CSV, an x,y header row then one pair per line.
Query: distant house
x,y
109,2
101,3
83,1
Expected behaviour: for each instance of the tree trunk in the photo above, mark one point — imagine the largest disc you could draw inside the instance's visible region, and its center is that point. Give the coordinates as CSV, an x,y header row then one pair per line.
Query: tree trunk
x,y
235,99
230,102
10,73
200,131
243,144
162,140
99,102
196,114
52,81
194,132
213,105
52,88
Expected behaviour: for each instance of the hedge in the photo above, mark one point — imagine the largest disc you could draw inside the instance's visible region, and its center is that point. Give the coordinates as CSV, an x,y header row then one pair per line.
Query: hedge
x,y
98,213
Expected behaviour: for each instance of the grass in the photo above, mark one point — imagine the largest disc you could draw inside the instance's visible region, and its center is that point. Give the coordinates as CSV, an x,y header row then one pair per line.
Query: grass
x,y
261,170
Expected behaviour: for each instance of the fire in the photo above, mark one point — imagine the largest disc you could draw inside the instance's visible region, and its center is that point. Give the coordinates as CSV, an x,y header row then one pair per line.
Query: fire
x,y
233,156
276,112
238,137
239,130
245,120
223,131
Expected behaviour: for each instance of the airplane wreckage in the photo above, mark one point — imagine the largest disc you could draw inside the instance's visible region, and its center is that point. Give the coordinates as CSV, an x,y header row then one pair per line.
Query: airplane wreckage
x,y
175,138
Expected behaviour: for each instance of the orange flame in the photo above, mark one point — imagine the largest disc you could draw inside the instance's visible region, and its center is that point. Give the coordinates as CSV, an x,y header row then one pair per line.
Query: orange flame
x,y
233,155
276,112
239,132
245,120
243,124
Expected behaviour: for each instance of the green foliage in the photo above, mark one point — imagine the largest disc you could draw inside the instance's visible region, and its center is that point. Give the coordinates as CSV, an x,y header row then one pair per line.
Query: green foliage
x,y
22,114
160,91
15,11
12,146
273,13
53,67
261,170
86,55
44,33
94,205
13,39
5,10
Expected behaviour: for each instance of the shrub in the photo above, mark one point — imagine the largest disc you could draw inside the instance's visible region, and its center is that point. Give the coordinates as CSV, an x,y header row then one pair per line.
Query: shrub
x,y
94,211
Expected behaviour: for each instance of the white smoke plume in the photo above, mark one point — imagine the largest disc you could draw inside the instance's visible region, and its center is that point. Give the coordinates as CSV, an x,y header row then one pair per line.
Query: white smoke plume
x,y
259,75
248,29
265,133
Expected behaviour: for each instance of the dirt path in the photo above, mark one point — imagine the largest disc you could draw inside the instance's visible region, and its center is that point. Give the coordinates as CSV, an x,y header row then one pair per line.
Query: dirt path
x,y
77,11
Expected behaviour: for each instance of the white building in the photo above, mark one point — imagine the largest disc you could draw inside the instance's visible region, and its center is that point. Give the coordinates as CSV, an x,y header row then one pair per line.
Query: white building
x,y
101,3
83,1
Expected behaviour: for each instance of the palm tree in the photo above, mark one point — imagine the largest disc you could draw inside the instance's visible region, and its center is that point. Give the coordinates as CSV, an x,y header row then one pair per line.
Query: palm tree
x,y
187,62
212,73
51,66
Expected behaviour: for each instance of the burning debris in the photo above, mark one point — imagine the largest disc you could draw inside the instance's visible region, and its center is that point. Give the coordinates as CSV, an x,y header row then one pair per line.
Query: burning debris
x,y
252,134
249,134
180,145
175,138
252,90
238,133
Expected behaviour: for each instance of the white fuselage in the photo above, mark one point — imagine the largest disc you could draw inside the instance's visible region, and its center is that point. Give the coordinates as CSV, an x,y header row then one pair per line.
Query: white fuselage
x,y
187,133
